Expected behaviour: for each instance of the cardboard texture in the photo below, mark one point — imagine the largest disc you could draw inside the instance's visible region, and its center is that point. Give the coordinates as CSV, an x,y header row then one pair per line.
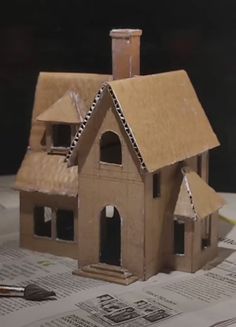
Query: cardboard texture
x,y
47,174
136,209
52,244
51,87
196,199
166,127
69,109
125,55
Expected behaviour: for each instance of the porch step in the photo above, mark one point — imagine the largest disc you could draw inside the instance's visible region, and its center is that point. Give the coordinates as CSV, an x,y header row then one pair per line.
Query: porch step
x,y
107,272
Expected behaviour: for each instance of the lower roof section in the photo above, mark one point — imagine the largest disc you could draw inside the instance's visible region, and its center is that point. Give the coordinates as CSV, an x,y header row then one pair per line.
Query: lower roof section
x,y
48,174
196,198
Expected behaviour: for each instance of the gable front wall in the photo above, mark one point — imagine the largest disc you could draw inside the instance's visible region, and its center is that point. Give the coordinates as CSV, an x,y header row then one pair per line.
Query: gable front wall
x,y
102,184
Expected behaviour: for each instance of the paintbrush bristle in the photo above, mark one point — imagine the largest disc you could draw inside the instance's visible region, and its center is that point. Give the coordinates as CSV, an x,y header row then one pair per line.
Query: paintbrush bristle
x,y
35,293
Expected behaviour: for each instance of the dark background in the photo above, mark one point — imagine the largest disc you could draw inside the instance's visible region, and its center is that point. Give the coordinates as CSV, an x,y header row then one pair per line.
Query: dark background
x,y
72,35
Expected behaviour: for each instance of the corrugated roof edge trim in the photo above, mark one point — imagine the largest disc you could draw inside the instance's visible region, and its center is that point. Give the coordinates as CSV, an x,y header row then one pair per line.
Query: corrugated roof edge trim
x,y
184,171
69,155
126,127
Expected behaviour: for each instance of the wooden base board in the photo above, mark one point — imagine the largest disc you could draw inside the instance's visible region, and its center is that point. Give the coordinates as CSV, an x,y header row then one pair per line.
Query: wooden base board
x,y
110,273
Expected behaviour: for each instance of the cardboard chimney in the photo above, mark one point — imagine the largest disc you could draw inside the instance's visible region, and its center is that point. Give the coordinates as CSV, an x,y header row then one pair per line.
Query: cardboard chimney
x,y
125,53
116,171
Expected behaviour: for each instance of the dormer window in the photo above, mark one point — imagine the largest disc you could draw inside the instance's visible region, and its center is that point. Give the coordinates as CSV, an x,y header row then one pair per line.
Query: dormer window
x,y
110,148
61,120
59,137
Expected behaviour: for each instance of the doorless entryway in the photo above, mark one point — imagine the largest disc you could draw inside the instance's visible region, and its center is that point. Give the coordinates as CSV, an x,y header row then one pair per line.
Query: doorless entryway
x,y
110,236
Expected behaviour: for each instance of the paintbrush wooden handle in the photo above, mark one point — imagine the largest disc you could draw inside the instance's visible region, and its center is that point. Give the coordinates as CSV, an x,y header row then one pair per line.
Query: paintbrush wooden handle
x,y
8,290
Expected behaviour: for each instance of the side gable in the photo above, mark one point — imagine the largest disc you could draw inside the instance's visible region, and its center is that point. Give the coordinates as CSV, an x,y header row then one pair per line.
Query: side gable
x,y
167,120
162,117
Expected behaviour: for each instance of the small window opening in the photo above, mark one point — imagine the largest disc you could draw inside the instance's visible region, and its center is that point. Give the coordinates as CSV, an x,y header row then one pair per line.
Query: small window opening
x,y
61,135
206,232
199,165
65,225
42,221
156,181
179,229
110,148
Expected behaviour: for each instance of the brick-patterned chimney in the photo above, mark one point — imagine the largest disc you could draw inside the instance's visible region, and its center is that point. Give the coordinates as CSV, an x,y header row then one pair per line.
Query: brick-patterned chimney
x,y
125,52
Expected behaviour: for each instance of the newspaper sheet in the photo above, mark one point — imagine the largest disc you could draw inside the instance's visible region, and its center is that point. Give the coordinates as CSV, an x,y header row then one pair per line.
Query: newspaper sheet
x,y
166,300
206,298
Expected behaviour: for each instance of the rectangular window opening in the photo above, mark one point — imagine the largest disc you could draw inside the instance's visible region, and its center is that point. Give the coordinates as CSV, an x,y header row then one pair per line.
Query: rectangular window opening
x,y
199,165
42,221
61,135
156,181
206,232
65,225
179,231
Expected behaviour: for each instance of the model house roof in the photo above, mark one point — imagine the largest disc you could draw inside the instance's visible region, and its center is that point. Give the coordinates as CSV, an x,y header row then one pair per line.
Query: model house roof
x,y
53,86
47,174
69,109
196,198
162,117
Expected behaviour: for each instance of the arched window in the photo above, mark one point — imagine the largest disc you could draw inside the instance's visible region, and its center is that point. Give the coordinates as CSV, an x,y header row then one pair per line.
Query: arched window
x,y
110,148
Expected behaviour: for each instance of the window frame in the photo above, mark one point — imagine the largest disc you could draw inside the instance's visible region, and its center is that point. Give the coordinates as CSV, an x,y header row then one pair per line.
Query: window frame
x,y
36,216
51,148
53,220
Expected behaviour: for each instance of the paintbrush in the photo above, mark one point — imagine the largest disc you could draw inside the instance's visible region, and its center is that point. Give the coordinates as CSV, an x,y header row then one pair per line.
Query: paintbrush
x,y
30,292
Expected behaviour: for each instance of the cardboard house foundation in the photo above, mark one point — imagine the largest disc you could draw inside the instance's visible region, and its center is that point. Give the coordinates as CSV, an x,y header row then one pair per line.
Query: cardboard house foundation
x,y
130,197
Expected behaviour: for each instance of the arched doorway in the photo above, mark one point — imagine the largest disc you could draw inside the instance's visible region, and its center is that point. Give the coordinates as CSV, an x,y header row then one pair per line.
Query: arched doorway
x,y
110,236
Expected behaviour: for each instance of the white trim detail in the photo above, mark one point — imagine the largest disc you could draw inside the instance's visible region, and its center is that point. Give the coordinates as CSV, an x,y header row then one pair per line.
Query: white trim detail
x,y
195,218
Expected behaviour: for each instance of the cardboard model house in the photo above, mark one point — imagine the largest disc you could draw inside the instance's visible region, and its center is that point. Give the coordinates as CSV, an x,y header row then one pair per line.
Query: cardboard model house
x,y
132,197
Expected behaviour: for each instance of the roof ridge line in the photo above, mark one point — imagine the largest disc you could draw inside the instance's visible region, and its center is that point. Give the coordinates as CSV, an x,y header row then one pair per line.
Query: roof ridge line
x,y
126,126
84,123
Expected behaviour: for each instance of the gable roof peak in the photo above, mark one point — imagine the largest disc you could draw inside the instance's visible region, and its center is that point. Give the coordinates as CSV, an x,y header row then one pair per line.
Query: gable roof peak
x,y
162,117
